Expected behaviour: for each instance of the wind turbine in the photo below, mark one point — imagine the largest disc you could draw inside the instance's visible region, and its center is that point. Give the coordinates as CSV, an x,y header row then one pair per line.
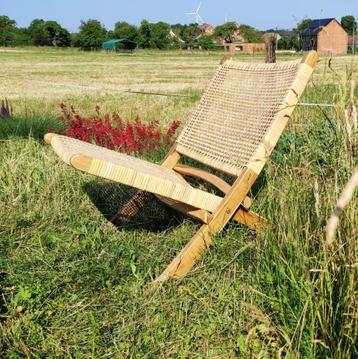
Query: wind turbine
x,y
295,20
198,18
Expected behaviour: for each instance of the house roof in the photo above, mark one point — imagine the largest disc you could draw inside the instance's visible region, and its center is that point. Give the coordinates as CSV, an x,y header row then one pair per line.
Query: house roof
x,y
316,25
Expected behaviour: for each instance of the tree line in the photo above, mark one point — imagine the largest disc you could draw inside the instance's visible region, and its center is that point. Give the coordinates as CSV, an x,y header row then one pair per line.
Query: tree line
x,y
92,34
158,35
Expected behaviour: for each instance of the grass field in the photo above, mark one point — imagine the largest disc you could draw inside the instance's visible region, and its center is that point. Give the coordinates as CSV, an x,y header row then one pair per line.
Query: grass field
x,y
70,287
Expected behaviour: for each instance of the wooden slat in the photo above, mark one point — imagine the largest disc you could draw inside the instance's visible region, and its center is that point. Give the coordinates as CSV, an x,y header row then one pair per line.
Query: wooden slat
x,y
250,219
225,58
171,159
204,175
199,214
82,163
310,59
48,137
216,181
185,260
246,203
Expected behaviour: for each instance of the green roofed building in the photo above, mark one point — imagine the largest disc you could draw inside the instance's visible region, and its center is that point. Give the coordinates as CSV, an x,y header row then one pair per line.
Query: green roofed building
x,y
119,45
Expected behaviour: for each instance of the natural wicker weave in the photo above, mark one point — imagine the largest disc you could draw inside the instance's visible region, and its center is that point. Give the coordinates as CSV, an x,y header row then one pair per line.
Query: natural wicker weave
x,y
235,113
134,172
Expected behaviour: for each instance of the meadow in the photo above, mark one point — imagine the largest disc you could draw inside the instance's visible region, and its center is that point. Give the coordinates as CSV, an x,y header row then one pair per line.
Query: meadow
x,y
72,287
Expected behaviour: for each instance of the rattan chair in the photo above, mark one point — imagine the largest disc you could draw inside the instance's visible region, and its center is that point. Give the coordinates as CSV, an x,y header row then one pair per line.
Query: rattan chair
x,y
234,129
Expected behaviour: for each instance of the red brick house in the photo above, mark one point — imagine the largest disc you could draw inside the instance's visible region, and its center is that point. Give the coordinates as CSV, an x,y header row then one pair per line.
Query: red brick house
x,y
326,36
206,29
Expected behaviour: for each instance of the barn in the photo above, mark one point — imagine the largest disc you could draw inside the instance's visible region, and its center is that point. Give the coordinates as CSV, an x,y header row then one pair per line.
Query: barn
x,y
326,36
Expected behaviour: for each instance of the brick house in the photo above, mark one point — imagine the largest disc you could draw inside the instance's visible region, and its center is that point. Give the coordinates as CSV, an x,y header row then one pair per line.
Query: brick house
x,y
207,29
326,36
203,29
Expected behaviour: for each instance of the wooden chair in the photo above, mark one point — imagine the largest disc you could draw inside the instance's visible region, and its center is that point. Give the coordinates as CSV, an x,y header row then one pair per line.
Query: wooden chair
x,y
234,129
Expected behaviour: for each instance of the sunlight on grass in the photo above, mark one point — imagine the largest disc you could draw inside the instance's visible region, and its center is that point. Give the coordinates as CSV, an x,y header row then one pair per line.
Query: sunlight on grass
x,y
71,287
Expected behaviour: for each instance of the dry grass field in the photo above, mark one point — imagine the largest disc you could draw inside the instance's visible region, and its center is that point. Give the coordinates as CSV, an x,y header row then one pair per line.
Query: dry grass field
x,y
33,78
70,287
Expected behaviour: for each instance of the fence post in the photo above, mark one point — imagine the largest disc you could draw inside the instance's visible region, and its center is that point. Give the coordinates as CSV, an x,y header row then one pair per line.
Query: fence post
x,y
270,45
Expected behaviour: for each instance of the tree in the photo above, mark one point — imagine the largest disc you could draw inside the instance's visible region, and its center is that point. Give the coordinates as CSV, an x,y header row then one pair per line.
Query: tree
x,y
160,36
206,42
7,30
226,31
349,24
250,34
294,40
58,36
144,34
156,36
289,42
110,35
189,35
282,44
48,33
178,30
63,38
91,35
303,24
123,30
230,32
22,37
38,33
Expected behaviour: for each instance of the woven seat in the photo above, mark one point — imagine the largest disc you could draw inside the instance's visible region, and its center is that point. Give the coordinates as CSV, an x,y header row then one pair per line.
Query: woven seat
x,y
236,112
134,172
234,129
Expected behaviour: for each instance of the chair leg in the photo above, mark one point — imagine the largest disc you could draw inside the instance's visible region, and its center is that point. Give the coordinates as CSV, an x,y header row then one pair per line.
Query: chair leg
x,y
130,208
185,260
251,219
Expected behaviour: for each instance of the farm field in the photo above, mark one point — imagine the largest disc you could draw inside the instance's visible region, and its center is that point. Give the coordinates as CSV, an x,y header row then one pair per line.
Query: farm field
x,y
71,287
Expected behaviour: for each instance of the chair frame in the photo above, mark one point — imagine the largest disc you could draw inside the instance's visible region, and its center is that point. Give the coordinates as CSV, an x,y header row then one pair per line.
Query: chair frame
x,y
235,203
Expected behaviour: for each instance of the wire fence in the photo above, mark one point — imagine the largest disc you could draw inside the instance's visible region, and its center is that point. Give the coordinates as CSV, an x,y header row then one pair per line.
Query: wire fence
x,y
154,93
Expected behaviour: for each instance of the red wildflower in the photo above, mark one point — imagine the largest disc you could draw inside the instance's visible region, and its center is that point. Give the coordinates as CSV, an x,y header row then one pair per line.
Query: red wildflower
x,y
110,131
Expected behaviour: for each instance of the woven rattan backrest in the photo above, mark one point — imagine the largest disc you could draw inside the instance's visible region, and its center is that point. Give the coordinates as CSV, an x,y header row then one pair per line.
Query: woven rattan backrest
x,y
236,113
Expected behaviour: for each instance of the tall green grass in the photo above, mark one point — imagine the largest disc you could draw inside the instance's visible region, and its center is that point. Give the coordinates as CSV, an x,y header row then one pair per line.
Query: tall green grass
x,y
70,287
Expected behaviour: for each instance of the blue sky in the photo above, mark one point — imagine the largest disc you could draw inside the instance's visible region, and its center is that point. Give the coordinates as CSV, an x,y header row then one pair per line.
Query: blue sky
x,y
260,14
